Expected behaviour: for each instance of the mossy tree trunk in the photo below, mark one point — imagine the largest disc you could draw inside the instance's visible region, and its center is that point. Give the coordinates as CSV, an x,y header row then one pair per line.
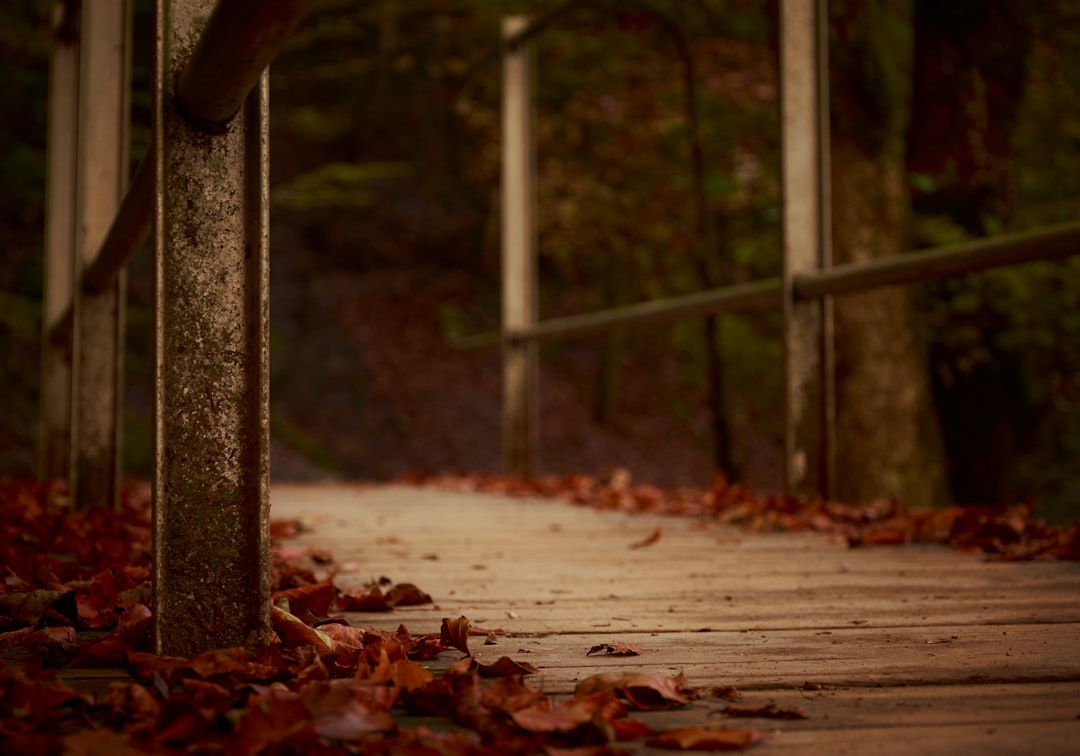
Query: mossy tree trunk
x,y
889,437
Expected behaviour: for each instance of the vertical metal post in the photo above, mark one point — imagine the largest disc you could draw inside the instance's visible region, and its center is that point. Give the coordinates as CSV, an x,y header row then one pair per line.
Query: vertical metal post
x,y
55,431
810,446
519,301
211,427
98,324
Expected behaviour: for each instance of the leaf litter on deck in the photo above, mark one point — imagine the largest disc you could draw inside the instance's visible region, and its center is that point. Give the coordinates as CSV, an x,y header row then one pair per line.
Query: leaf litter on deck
x,y
324,686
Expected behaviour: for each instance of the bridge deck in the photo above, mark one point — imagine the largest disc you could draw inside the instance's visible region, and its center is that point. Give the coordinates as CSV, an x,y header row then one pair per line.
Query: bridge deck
x,y
887,649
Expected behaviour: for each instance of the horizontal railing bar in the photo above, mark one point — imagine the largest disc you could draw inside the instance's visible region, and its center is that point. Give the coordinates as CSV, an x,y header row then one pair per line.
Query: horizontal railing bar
x,y
748,297
240,40
128,231
1050,243
1045,244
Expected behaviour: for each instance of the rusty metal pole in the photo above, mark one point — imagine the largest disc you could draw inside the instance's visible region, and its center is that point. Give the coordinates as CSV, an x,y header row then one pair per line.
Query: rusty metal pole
x,y
211,427
55,430
809,469
520,432
98,322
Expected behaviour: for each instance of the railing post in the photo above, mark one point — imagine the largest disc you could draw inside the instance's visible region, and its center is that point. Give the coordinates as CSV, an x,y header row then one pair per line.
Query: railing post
x,y
55,431
808,360
211,429
520,431
98,322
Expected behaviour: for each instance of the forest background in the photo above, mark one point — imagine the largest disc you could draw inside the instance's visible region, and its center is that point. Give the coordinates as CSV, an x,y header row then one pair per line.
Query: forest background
x,y
658,174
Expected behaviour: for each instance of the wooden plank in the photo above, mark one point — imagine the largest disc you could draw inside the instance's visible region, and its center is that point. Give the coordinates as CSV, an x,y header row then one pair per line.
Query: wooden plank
x,y
777,659
499,555
985,719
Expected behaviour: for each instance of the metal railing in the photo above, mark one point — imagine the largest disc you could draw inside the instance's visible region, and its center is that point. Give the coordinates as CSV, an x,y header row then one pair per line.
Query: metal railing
x,y
802,293
202,190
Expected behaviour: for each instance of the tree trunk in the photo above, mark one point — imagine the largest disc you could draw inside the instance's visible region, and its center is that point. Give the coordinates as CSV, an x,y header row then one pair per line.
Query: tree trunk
x,y
889,439
970,72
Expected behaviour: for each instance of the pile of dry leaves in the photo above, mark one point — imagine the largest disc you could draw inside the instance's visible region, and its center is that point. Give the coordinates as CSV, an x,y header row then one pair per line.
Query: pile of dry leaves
x,y
75,596
1006,533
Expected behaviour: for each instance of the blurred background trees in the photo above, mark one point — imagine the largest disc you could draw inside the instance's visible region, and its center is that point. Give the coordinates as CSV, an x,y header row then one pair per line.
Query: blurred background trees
x,y
951,121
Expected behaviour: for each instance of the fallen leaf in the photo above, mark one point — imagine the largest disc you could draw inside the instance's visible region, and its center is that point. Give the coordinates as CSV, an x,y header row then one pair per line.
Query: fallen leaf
x,y
505,667
615,649
338,710
294,632
649,540
640,691
768,711
308,599
706,739
455,633
27,607
407,594
358,600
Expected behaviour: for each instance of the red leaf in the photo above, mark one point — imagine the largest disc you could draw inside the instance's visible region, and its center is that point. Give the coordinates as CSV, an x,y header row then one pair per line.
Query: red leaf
x,y
641,692
99,743
706,739
51,642
649,540
27,607
630,729
768,711
615,649
374,600
339,713
407,594
455,633
410,676
308,599
131,701
505,667
293,632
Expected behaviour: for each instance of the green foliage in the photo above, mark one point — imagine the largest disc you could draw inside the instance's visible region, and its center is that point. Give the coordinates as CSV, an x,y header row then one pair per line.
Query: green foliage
x,y
338,185
303,442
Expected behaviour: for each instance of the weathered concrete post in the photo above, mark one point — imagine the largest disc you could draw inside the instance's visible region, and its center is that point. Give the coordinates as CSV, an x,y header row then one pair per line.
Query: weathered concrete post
x,y
519,301
98,322
808,359
62,143
210,228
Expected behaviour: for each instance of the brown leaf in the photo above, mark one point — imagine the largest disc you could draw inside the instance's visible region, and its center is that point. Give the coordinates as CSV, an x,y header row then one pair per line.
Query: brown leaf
x,y
409,675
455,633
407,594
706,739
339,712
649,540
27,607
294,632
768,711
642,692
505,667
615,649
371,600
308,600
99,743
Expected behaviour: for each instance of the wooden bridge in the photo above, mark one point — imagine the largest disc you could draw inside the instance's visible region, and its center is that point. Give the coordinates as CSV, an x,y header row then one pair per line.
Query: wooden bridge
x,y
887,650
822,647
915,650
